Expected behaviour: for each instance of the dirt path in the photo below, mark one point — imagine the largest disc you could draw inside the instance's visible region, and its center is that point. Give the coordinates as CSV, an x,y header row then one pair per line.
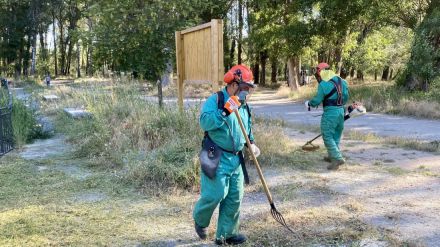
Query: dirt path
x,y
394,189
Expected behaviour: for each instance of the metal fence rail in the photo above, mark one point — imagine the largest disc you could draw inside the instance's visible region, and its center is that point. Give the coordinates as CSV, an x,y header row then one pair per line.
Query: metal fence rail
x,y
6,132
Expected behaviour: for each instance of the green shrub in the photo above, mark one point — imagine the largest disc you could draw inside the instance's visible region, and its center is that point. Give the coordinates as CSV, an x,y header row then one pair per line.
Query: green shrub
x,y
24,125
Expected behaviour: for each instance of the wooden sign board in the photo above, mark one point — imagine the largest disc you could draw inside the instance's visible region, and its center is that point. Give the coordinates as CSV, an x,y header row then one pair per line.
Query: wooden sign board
x,y
199,56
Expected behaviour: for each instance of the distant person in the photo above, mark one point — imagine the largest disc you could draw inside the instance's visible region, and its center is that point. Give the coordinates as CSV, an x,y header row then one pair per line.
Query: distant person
x,y
303,77
333,93
4,82
47,80
344,73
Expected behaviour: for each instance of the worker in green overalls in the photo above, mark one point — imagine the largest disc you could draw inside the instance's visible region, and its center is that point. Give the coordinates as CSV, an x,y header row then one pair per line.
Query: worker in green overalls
x,y
223,128
333,94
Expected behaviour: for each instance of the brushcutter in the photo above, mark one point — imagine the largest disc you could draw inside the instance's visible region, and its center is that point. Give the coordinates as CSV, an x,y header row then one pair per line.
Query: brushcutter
x,y
275,213
354,110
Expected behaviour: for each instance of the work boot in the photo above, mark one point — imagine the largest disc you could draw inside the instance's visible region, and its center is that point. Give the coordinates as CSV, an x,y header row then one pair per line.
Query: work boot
x,y
238,239
327,159
201,231
335,164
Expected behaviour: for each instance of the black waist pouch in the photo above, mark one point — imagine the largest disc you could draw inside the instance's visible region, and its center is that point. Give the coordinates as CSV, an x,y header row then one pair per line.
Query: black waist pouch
x,y
210,157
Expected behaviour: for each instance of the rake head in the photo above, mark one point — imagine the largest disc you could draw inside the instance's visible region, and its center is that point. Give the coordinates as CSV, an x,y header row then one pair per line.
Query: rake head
x,y
310,147
279,218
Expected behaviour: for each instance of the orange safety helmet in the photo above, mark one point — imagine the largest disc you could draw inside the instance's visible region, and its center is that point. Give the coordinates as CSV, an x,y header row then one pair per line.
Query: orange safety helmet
x,y
240,74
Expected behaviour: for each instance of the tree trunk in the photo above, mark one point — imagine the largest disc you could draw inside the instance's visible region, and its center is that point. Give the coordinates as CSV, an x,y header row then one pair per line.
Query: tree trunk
x,y
42,46
360,75
78,60
69,55
256,70
87,60
159,93
263,61
274,68
329,56
299,70
385,73
338,59
240,30
321,56
375,75
292,65
55,44
33,36
33,54
351,72
391,74
89,68
19,60
26,58
232,51
62,47
71,39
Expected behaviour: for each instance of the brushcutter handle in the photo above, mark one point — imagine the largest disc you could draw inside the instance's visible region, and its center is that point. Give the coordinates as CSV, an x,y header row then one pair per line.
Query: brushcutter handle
x,y
260,172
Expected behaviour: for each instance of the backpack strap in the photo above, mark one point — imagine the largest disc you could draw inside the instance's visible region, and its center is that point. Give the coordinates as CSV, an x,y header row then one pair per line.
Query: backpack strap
x,y
220,103
337,89
220,99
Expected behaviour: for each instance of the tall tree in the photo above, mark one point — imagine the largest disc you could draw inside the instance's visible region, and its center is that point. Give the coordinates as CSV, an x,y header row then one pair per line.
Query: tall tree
x,y
424,64
240,31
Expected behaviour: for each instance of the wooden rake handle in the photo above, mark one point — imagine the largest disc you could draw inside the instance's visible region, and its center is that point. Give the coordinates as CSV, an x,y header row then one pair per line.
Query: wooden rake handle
x,y
260,173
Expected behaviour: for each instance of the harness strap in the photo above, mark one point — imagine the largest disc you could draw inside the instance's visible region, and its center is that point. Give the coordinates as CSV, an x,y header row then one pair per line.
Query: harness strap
x,y
337,89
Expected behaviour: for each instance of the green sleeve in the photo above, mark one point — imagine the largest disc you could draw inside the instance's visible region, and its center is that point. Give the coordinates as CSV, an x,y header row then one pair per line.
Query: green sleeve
x,y
315,101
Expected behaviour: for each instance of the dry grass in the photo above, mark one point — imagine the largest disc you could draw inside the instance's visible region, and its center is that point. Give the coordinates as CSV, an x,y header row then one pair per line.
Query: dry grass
x,y
47,208
190,90
421,109
283,91
323,225
40,208
305,92
412,144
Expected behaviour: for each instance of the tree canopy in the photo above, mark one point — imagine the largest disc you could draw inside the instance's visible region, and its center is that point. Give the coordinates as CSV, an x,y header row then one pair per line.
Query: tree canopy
x,y
376,38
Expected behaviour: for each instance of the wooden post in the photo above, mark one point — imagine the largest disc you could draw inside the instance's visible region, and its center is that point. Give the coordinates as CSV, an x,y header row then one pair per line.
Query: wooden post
x,y
214,57
217,53
180,68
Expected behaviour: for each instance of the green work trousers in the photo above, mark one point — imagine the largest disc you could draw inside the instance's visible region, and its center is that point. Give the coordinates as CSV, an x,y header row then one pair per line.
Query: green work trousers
x,y
332,125
226,189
